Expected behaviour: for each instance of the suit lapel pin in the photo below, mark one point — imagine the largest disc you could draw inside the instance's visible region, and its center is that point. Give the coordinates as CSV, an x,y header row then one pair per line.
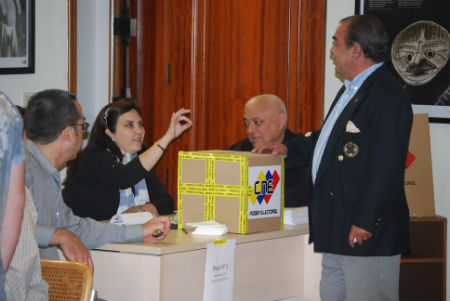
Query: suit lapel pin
x,y
351,149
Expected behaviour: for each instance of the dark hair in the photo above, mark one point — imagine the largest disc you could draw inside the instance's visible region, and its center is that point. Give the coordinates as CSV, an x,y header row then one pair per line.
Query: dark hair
x,y
48,113
369,32
21,110
106,119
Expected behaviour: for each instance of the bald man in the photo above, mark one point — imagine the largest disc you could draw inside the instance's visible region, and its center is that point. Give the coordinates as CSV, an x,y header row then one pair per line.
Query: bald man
x,y
265,119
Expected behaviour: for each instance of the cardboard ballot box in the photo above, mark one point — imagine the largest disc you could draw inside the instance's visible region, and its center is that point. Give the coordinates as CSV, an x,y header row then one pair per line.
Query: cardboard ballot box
x,y
242,190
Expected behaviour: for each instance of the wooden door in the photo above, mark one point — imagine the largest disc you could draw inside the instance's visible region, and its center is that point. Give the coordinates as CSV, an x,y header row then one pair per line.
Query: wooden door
x,y
246,46
212,55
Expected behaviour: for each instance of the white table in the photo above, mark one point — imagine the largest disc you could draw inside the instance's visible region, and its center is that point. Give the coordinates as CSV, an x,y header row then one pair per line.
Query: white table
x,y
268,266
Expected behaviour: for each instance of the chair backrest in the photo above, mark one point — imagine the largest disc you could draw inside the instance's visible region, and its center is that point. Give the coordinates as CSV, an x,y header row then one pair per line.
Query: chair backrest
x,y
67,280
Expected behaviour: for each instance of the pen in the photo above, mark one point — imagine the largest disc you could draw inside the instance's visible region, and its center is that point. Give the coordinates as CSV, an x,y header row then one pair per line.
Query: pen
x,y
157,233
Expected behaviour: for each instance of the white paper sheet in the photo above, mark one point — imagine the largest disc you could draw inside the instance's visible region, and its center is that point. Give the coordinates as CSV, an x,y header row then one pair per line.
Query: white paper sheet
x,y
296,216
219,270
208,228
138,218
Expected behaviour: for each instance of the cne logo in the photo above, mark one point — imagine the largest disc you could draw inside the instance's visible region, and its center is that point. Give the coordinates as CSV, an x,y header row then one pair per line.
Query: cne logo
x,y
264,187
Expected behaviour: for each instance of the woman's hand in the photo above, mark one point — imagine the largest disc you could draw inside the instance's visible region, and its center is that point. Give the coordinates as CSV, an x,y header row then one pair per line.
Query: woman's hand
x,y
178,124
149,207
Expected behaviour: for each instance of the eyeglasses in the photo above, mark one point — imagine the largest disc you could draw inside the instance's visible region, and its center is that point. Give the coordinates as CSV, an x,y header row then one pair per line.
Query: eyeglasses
x,y
84,125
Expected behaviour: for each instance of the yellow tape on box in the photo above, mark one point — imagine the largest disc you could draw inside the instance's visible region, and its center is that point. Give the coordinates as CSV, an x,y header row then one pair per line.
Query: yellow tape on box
x,y
245,191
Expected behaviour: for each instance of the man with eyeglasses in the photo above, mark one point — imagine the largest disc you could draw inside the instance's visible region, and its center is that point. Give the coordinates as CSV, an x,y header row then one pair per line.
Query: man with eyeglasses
x,y
54,125
84,126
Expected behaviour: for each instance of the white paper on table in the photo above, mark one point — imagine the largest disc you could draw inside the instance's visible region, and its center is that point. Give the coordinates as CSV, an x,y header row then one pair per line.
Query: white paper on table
x,y
296,216
219,270
138,218
208,228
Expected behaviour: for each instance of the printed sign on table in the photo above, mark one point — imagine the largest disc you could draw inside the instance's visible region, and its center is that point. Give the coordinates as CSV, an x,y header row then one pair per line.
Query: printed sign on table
x,y
219,270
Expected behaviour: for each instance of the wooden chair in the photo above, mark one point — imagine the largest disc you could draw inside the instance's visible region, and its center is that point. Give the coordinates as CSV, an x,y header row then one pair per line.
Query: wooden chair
x,y
67,280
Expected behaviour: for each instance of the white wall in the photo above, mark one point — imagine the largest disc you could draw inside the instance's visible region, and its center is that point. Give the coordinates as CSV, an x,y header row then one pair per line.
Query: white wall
x,y
51,54
440,146
440,133
93,56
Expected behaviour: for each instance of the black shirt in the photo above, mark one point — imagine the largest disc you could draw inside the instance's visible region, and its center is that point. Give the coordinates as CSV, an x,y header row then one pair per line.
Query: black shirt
x,y
297,178
94,191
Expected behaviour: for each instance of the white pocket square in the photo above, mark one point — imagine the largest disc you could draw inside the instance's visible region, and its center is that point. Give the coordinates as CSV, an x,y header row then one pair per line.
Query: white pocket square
x,y
351,127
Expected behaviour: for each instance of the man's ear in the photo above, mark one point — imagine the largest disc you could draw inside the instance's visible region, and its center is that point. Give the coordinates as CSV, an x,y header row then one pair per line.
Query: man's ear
x,y
357,50
283,119
67,132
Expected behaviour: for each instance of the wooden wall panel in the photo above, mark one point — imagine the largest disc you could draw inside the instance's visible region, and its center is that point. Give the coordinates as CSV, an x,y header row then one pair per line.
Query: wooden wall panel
x,y
72,47
177,80
246,53
163,73
220,54
308,106
117,60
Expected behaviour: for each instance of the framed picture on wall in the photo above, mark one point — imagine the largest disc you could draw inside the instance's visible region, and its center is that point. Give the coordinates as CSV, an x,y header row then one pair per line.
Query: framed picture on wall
x,y
16,36
419,39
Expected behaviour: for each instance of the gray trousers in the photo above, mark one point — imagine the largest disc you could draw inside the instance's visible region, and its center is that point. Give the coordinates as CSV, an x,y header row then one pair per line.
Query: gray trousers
x,y
359,277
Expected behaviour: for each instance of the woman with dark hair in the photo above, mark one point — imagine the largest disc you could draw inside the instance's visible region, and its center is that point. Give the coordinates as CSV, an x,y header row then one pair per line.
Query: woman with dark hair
x,y
114,172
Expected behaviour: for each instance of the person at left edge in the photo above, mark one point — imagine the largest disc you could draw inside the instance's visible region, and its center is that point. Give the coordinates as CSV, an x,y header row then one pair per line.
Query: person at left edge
x,y
12,188
23,281
110,176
